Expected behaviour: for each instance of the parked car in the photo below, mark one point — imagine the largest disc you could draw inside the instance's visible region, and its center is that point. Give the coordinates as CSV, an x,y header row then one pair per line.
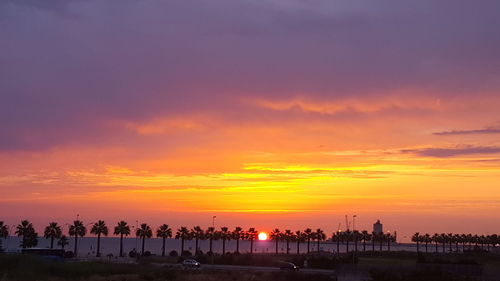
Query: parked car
x,y
190,263
289,266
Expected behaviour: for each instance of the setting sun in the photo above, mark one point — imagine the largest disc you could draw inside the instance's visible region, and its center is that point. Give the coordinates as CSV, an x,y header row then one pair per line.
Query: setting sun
x,y
262,236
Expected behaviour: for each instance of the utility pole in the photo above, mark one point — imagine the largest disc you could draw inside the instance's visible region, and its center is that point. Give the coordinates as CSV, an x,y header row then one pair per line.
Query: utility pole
x,y
353,221
213,221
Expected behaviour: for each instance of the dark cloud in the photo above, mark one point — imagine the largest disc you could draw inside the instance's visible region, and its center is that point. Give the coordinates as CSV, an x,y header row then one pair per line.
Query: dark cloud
x,y
491,130
133,60
452,152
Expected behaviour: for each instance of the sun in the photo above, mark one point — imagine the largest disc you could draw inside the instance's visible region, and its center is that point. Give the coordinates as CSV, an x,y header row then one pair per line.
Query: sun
x,y
262,236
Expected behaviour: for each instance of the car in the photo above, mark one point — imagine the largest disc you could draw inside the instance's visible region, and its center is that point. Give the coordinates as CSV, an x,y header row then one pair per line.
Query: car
x,y
190,263
289,266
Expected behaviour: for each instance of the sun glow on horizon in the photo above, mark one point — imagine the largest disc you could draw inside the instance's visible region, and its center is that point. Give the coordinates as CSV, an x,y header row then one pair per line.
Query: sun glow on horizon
x,y
262,236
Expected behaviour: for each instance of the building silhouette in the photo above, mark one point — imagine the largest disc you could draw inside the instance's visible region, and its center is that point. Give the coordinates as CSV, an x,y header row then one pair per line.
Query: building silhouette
x,y
378,227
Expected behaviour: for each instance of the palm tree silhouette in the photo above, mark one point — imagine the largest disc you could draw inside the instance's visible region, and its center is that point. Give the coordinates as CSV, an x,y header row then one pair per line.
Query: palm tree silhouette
x,y
374,238
224,234
122,229
416,238
63,241
4,233
309,235
436,239
210,234
163,232
288,236
347,238
251,235
237,235
276,236
26,230
52,231
426,239
144,232
198,234
99,228
355,237
365,236
300,237
183,234
77,229
337,237
320,236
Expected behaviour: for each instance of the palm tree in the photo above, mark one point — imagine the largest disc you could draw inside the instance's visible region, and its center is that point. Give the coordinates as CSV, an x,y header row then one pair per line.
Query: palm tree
x,y
416,238
77,229
183,234
164,232
224,234
444,240
288,236
52,231
337,237
355,237
374,238
27,231
365,236
237,235
210,234
251,235
320,236
276,236
197,233
347,237
122,229
300,237
436,239
99,228
144,232
63,241
4,232
309,235
427,239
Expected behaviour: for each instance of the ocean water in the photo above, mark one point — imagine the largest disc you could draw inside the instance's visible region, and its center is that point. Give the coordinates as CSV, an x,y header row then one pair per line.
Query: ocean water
x,y
111,245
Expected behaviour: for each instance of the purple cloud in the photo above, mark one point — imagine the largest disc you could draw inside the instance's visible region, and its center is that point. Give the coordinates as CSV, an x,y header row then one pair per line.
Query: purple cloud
x,y
491,130
60,76
452,152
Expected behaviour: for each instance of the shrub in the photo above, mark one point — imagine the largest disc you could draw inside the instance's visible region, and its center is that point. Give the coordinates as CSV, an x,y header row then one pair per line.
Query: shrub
x,y
173,253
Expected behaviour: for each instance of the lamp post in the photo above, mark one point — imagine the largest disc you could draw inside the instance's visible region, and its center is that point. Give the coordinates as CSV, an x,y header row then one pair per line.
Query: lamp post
x,y
353,222
213,221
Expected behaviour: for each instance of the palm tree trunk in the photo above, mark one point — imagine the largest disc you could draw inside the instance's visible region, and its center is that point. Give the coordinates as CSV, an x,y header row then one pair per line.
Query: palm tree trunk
x,y
98,254
426,244
355,244
287,247
224,246
364,245
251,246
163,248
388,244
76,244
308,243
298,247
196,246
373,244
121,245
211,239
318,245
143,243
182,246
437,246
380,244
418,248
347,246
276,246
237,245
52,242
338,245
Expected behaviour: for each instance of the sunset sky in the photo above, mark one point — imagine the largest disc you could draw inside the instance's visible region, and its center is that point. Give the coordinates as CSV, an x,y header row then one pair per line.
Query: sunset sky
x,y
265,113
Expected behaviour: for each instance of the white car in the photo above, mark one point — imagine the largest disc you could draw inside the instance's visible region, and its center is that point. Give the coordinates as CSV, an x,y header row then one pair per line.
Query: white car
x,y
190,263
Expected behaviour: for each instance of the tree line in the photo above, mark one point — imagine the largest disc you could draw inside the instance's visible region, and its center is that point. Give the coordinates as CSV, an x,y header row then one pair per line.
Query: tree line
x,y
452,241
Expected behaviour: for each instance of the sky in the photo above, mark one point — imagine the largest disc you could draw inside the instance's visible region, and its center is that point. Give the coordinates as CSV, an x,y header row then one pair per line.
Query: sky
x,y
268,113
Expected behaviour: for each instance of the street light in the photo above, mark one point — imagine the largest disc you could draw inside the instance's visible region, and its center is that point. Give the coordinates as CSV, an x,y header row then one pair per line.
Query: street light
x,y
213,221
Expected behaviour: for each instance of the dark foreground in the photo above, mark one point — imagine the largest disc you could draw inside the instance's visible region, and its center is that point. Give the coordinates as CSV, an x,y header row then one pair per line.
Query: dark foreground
x,y
393,266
